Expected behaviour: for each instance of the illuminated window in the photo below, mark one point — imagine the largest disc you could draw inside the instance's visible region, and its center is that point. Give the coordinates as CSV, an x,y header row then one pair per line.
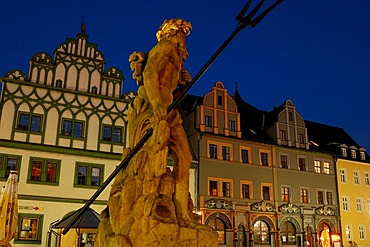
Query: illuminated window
x,y
29,228
213,188
317,166
87,174
343,152
326,167
261,233
353,154
362,155
287,233
220,187
285,194
304,195
43,171
226,189
348,232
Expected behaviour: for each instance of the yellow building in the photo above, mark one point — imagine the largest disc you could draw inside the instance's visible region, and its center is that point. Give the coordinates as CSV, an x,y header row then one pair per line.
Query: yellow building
x,y
353,182
354,193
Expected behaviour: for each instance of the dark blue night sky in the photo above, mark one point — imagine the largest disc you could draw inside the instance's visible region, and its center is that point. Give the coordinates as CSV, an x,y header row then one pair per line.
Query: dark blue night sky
x,y
314,52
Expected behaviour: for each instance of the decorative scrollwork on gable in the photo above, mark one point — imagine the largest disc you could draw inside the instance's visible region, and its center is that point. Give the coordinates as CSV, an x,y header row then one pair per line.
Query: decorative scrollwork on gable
x,y
129,95
16,75
42,57
289,208
218,204
325,210
113,73
262,207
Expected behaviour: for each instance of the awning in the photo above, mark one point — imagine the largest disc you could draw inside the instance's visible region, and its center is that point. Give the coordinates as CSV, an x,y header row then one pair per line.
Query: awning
x,y
89,219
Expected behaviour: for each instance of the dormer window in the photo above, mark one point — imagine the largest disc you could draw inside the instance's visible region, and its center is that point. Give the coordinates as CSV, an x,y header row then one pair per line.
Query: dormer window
x,y
362,155
353,154
344,152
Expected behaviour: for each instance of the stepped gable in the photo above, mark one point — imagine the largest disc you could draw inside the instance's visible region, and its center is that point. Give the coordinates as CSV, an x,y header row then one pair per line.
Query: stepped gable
x,y
76,65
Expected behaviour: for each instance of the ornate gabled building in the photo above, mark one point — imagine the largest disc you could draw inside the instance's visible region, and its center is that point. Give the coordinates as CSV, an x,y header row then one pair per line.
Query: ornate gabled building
x,y
63,128
260,182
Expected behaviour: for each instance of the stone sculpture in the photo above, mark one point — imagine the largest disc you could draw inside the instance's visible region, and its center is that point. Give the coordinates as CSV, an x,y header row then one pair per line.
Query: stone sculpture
x,y
150,205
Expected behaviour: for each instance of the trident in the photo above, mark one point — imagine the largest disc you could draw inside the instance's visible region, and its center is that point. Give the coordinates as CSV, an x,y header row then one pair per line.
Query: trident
x,y
243,22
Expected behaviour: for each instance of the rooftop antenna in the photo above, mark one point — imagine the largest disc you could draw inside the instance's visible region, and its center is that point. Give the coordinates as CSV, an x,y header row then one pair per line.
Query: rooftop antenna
x,y
243,22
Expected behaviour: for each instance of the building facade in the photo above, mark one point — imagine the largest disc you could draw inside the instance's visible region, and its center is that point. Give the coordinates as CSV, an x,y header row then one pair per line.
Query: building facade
x,y
260,182
353,171
63,128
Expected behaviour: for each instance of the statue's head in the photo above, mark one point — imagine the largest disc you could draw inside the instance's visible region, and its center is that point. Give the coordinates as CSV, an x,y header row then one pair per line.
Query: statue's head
x,y
172,27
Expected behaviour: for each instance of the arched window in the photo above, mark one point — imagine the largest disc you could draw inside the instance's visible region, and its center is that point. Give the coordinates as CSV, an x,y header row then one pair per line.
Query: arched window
x,y
288,232
261,233
94,90
219,226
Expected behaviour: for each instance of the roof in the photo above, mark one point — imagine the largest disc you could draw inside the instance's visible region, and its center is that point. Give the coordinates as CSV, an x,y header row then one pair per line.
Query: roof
x,y
89,219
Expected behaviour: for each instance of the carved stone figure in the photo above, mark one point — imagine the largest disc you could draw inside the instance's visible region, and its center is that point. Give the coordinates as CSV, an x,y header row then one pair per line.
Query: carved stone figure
x,y
150,205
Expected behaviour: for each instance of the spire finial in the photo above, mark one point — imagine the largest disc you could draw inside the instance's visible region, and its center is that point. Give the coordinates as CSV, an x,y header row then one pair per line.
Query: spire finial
x,y
83,27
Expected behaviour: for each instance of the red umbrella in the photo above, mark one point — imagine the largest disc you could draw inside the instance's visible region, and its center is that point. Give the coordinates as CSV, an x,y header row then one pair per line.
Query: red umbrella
x,y
9,210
